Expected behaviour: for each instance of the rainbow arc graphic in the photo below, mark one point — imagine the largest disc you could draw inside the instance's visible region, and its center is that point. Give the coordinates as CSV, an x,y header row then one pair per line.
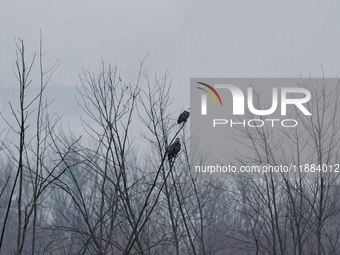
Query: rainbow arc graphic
x,y
209,93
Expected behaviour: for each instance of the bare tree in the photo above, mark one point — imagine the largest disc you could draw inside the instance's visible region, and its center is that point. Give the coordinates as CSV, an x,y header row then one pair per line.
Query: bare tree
x,y
32,179
289,213
116,192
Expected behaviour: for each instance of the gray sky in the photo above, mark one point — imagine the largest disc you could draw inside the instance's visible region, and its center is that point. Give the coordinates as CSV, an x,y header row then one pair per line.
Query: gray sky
x,y
187,38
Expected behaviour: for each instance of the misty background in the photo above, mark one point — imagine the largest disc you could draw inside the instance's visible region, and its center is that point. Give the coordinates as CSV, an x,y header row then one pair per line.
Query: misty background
x,y
63,194
186,38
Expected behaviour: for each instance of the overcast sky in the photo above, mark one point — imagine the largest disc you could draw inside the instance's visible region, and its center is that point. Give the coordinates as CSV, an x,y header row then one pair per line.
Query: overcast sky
x,y
187,38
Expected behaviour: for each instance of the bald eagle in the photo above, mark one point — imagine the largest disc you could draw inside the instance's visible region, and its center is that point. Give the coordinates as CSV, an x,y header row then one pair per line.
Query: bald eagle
x,y
183,117
174,149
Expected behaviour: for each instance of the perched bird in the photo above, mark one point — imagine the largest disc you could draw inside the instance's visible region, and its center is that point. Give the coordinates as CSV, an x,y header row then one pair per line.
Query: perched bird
x,y
183,117
174,149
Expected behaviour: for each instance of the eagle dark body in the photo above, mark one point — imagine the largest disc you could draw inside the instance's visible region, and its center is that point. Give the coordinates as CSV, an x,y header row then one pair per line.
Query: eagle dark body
x,y
183,117
174,149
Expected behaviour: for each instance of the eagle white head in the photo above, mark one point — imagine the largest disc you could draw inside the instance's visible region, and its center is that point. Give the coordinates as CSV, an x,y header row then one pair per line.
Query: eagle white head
x,y
177,139
187,109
